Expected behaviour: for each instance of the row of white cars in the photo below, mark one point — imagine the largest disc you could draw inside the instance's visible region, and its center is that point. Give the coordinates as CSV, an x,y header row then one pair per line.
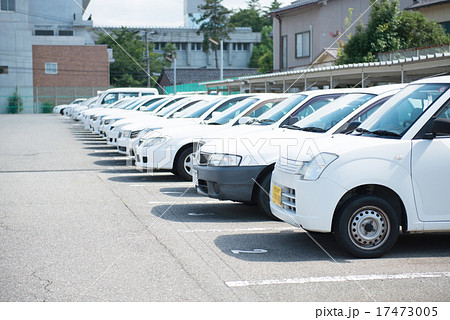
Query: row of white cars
x,y
364,164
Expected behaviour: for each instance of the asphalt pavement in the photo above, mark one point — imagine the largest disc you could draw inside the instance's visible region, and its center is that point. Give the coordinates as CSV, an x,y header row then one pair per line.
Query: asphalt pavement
x,y
77,223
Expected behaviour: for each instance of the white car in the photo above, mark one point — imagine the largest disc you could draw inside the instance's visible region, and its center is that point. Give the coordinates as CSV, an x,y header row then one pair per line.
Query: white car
x,y
391,173
60,108
201,115
249,180
173,148
194,109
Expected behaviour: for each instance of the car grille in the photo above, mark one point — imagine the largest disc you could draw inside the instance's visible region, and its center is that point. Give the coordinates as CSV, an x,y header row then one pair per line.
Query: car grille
x,y
288,165
134,134
288,200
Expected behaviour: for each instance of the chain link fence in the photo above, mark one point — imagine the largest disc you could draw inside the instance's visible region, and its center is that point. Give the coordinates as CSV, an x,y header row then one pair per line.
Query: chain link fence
x,y
41,99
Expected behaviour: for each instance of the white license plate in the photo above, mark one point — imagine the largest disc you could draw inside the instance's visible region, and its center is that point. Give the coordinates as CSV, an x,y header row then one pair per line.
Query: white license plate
x,y
194,177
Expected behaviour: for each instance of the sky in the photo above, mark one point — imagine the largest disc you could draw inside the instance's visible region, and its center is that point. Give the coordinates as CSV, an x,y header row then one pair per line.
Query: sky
x,y
149,13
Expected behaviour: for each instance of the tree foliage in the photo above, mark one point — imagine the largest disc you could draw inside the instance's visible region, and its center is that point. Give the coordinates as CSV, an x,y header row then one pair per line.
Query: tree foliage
x,y
15,102
262,55
214,24
389,29
128,68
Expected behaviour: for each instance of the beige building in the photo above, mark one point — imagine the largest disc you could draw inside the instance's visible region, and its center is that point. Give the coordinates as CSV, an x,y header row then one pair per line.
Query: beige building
x,y
305,30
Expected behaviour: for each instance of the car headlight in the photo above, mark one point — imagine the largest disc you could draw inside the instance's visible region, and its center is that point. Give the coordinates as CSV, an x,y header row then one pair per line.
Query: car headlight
x,y
126,133
224,160
154,141
311,170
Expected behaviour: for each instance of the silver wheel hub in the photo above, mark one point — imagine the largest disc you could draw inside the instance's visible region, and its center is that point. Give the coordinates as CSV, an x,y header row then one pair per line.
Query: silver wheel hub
x,y
188,163
369,228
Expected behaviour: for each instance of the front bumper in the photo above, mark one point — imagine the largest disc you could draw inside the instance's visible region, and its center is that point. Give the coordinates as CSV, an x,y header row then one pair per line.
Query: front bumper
x,y
227,183
122,145
156,157
309,204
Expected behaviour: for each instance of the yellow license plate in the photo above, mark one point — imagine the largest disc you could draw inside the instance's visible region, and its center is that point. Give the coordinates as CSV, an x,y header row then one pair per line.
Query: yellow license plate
x,y
276,195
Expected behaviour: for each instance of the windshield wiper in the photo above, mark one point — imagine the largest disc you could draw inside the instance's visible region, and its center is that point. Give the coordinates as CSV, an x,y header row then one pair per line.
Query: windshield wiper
x,y
313,129
214,123
292,127
382,133
265,120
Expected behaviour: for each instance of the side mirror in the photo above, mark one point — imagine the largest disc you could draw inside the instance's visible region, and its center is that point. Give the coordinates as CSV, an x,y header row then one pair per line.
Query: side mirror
x,y
352,126
244,120
441,127
292,120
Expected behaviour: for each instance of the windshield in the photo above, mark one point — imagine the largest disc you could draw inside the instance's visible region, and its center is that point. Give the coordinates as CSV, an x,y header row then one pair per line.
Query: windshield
x,y
169,107
136,104
155,105
328,116
233,112
281,109
199,109
147,106
397,115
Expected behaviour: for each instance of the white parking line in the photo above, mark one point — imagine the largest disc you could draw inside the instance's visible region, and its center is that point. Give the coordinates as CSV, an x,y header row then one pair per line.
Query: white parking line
x,y
238,230
189,202
368,277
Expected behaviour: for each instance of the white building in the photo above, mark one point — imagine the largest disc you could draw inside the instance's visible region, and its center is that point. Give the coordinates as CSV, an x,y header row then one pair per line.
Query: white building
x,y
24,23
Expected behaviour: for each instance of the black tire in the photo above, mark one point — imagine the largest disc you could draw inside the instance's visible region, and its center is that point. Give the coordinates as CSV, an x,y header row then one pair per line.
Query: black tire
x,y
263,198
182,168
367,226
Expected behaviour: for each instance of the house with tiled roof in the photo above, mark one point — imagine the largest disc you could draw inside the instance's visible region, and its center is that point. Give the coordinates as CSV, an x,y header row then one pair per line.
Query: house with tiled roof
x,y
308,31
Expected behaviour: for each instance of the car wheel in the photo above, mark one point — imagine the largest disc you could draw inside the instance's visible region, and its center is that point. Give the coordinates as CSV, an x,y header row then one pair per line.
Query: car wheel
x,y
185,164
263,198
367,226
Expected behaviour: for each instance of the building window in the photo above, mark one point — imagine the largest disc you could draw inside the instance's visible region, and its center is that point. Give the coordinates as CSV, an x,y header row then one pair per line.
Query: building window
x,y
284,52
197,46
302,44
65,33
43,33
8,5
51,68
225,46
3,69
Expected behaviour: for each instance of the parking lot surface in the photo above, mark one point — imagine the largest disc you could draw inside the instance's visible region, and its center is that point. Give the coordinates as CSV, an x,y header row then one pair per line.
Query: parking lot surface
x,y
78,223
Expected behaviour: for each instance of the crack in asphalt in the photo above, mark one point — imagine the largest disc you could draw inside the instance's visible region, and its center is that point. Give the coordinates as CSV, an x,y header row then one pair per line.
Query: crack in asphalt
x,y
47,284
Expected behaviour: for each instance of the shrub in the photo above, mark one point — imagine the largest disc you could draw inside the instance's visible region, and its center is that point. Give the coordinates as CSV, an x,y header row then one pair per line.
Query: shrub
x,y
15,102
47,107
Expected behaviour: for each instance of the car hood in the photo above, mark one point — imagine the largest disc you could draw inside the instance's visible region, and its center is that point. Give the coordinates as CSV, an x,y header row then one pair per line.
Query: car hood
x,y
261,147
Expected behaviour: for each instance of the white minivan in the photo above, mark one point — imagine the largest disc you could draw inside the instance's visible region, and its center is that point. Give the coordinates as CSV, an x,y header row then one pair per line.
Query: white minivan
x,y
390,174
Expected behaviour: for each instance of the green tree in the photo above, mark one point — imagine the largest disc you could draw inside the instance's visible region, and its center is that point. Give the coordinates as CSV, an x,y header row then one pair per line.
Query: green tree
x,y
214,24
250,17
128,68
15,102
388,29
262,55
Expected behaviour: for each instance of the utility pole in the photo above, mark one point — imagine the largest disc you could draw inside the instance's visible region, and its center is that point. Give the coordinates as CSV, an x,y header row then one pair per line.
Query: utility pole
x,y
221,59
147,59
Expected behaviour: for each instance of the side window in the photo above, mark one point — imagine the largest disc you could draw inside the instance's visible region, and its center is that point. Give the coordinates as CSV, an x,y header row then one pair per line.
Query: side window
x,y
223,107
369,111
110,98
260,110
128,95
312,106
445,113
